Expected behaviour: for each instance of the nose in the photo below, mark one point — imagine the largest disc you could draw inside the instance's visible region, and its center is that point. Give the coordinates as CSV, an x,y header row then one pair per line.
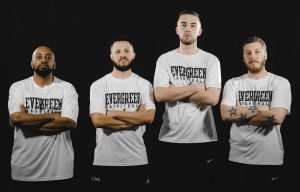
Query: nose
x,y
252,55
187,28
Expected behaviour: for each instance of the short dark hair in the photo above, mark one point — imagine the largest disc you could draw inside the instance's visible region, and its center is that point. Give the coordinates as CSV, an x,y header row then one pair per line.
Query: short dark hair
x,y
121,38
253,39
189,12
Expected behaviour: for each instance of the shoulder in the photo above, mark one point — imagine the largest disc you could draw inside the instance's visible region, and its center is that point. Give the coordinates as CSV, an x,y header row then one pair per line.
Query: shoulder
x,y
140,80
277,79
63,84
209,56
101,80
235,80
21,83
167,55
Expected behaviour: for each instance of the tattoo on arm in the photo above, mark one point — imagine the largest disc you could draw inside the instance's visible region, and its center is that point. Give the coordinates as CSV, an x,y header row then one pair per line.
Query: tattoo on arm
x,y
232,111
270,121
242,120
253,108
266,126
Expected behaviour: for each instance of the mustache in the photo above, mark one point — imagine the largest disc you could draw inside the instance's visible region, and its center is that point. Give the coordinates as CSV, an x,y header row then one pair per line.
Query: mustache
x,y
125,58
253,61
44,63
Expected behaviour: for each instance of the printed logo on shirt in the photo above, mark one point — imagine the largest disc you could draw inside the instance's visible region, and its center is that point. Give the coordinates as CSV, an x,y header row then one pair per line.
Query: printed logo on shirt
x,y
250,98
122,100
194,75
42,105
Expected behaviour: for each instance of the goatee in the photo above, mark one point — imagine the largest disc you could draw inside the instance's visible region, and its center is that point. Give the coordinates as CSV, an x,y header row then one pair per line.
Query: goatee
x,y
43,72
122,68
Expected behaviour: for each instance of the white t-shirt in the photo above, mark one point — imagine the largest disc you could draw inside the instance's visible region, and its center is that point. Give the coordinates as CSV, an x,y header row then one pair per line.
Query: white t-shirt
x,y
37,156
248,145
126,147
185,122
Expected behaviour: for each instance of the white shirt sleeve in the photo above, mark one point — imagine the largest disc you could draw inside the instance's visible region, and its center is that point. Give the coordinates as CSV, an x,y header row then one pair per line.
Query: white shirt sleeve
x,y
147,96
229,94
70,107
15,98
97,98
281,96
213,73
161,76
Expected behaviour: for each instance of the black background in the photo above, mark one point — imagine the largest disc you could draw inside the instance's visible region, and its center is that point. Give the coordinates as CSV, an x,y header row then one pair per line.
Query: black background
x,y
79,32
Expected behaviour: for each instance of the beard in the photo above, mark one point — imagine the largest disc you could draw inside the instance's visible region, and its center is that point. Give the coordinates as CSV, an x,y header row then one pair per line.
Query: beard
x,y
43,72
187,41
256,69
123,67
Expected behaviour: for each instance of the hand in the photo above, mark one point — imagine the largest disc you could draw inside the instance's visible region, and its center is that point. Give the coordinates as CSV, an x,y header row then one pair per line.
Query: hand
x,y
263,107
198,86
111,113
22,109
142,107
55,115
171,85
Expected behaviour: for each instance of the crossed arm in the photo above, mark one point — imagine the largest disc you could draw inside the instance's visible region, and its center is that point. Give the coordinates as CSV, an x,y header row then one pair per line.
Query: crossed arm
x,y
194,93
254,115
119,120
44,123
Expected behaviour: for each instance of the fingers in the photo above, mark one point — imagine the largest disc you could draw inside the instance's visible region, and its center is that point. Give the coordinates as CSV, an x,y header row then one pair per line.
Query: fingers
x,y
142,107
22,108
199,86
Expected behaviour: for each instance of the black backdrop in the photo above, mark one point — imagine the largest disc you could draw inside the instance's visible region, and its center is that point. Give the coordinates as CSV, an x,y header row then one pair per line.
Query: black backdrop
x,y
79,32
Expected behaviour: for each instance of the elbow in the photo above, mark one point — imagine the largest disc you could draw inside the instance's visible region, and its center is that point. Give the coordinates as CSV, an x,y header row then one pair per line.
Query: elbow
x,y
212,101
279,121
149,119
96,124
223,113
159,95
15,118
223,117
72,125
159,98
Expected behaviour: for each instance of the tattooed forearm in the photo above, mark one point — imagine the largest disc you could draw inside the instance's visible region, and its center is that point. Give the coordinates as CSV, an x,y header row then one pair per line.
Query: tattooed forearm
x,y
253,108
270,121
232,111
242,120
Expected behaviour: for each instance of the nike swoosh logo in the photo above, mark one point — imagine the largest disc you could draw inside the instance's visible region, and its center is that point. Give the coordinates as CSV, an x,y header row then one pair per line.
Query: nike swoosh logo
x,y
274,178
210,160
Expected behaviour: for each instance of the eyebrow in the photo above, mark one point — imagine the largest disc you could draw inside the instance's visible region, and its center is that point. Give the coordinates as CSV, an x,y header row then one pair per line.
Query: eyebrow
x,y
184,22
47,54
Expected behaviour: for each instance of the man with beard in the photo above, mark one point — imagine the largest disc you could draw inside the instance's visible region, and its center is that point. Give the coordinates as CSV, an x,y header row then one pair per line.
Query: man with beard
x,y
256,149
188,80
121,104
43,109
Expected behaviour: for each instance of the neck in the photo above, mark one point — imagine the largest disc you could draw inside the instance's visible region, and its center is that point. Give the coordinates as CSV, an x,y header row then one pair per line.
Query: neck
x,y
121,74
43,81
258,75
188,49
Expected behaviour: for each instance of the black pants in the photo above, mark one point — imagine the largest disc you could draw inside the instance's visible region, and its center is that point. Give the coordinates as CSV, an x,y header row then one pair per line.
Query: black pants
x,y
184,167
120,178
246,177
38,186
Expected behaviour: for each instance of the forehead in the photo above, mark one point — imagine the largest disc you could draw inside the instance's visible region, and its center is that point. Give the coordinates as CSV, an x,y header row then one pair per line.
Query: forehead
x,y
188,18
122,45
42,50
253,46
